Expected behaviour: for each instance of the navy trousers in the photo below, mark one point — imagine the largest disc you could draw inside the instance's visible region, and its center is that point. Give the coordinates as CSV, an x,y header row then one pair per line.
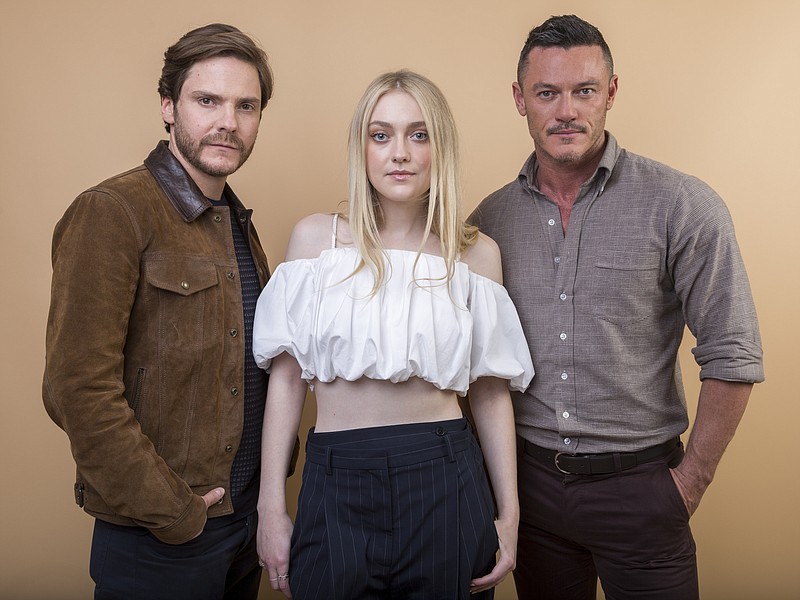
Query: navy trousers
x,y
401,511
128,563
630,528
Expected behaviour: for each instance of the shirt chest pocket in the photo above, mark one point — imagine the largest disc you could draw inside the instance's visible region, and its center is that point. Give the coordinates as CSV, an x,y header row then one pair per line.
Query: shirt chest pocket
x,y
625,287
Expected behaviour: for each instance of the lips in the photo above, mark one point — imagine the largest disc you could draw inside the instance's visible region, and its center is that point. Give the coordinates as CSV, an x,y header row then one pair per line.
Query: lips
x,y
400,175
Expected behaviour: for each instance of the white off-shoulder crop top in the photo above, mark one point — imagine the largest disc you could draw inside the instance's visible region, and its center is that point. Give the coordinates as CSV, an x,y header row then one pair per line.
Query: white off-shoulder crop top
x,y
322,314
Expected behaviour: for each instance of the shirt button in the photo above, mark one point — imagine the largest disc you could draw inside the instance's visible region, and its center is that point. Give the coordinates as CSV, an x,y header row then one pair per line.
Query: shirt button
x,y
243,219
563,335
565,414
185,285
563,296
567,441
564,375
557,259
551,222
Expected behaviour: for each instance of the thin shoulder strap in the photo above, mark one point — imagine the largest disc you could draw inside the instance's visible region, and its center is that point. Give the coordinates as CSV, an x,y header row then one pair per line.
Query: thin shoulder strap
x,y
334,226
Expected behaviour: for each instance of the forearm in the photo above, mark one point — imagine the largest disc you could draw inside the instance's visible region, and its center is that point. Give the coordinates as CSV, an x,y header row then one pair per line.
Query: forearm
x,y
282,414
493,415
720,407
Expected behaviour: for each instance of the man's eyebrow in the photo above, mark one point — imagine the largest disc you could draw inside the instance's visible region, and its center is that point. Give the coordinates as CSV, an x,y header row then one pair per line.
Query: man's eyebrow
x,y
543,85
204,94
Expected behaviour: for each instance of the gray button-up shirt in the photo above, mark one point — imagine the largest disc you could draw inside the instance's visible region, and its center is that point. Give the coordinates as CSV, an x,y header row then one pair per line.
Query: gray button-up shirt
x,y
648,250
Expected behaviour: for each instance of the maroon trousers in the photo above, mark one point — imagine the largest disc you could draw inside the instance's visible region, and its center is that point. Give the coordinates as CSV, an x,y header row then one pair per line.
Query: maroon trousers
x,y
630,528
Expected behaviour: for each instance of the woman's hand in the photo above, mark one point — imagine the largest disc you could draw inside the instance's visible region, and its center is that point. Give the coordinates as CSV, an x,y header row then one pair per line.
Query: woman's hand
x,y
506,562
273,542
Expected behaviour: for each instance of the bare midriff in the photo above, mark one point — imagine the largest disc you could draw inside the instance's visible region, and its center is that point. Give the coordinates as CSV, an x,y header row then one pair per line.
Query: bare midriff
x,y
367,402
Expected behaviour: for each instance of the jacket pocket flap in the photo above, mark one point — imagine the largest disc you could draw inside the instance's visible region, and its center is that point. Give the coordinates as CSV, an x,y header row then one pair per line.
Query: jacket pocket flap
x,y
184,277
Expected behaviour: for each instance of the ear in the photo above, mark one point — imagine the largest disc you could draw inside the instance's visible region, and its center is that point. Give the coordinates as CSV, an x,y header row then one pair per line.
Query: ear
x,y
613,86
519,100
168,111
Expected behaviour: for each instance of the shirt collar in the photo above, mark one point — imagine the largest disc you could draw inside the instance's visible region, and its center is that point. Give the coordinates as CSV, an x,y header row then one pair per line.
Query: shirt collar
x,y
527,175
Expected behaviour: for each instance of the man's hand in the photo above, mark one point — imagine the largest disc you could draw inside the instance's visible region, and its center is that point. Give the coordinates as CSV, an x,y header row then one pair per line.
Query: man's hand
x,y
213,497
719,409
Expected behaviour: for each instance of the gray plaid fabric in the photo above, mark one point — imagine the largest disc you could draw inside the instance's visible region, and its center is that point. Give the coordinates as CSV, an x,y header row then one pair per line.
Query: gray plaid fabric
x,y
648,250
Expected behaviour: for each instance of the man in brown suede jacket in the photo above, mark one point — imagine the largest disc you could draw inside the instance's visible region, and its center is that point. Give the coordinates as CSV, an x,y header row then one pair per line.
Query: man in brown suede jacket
x,y
149,340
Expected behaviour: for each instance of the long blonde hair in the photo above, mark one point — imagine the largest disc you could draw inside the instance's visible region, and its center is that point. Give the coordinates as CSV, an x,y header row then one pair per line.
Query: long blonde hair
x,y
444,214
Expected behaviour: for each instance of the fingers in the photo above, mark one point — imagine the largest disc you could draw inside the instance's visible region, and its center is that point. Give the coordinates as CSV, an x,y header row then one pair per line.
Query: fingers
x,y
506,561
213,497
489,581
278,579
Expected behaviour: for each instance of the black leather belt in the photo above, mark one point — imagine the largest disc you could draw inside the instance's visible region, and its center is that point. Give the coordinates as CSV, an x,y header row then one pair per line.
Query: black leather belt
x,y
597,464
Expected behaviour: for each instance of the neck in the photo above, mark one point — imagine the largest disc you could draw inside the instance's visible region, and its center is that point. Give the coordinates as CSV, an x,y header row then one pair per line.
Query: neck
x,y
563,181
403,225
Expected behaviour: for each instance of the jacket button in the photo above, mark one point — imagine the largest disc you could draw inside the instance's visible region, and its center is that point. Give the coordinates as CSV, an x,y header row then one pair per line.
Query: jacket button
x,y
185,285
228,448
234,391
233,333
231,274
217,218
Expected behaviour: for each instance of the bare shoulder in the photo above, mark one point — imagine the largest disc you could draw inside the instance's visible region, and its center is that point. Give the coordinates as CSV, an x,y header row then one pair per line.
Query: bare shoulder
x,y
483,258
310,236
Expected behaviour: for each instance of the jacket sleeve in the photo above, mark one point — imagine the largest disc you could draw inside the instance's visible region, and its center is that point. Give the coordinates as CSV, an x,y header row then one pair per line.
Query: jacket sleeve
x,y
96,268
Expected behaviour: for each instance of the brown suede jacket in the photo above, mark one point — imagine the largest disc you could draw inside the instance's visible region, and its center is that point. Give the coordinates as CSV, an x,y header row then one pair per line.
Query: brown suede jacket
x,y
145,345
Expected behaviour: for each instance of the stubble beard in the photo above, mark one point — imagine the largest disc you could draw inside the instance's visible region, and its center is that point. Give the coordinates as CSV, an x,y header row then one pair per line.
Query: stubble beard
x,y
192,150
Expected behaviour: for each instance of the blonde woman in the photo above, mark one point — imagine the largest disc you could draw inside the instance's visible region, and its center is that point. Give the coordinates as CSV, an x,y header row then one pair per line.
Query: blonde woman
x,y
391,313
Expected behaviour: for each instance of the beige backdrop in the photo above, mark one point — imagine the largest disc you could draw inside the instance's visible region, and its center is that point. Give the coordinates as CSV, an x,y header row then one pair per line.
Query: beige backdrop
x,y
709,87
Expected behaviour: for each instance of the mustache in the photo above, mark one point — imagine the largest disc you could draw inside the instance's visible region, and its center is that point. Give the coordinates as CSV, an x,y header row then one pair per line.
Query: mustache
x,y
567,127
228,139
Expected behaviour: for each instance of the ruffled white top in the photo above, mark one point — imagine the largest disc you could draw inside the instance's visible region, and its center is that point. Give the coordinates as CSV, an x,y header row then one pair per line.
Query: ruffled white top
x,y
324,316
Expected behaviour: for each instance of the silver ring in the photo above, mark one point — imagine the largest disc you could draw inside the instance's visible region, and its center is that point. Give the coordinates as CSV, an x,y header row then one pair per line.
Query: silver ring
x,y
283,577
261,564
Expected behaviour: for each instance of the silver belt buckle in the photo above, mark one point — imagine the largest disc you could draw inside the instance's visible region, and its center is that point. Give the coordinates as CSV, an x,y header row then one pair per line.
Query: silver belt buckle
x,y
555,461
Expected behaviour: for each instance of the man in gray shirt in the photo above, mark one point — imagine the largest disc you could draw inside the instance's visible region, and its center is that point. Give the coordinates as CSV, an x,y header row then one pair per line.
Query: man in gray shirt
x,y
607,256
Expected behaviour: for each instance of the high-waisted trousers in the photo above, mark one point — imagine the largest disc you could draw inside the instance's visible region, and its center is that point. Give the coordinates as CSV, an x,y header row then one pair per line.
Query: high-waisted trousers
x,y
401,511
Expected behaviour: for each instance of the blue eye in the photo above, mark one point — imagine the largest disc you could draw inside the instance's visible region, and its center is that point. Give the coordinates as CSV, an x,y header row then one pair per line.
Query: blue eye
x,y
379,137
420,136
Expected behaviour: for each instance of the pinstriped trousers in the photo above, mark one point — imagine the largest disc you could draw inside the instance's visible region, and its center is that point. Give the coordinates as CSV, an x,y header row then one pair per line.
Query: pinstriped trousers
x,y
401,512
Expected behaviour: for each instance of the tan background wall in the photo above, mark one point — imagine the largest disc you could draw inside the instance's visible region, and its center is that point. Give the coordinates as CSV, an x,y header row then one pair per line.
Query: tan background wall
x,y
709,87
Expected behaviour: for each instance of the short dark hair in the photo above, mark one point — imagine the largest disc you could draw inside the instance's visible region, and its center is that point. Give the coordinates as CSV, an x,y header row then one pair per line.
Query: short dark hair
x,y
211,41
565,31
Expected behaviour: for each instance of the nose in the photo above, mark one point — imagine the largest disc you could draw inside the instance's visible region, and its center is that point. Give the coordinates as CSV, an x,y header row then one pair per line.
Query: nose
x,y
566,108
400,151
227,120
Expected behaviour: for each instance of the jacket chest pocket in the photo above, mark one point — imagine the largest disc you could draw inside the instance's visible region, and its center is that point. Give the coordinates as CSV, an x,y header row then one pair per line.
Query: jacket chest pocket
x,y
189,300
